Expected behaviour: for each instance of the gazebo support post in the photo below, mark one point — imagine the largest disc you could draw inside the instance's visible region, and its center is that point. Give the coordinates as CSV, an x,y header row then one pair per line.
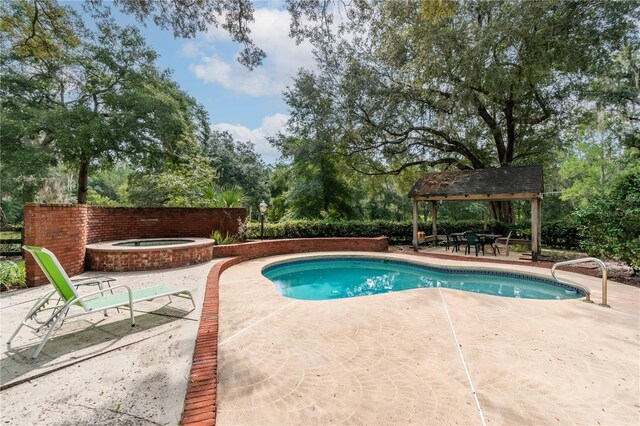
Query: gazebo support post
x,y
434,222
536,228
415,224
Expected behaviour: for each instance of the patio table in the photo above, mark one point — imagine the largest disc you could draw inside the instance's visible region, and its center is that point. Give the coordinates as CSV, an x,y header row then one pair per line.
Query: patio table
x,y
484,239
491,239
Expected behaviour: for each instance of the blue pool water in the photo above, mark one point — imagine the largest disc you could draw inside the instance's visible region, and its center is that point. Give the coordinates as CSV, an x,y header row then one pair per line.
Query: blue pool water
x,y
339,277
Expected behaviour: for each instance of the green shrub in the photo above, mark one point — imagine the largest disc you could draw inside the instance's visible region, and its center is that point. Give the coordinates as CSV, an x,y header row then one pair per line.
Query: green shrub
x,y
12,274
319,229
223,240
610,224
561,234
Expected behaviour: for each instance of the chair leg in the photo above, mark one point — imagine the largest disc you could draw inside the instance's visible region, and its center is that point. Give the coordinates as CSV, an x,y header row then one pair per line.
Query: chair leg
x,y
33,311
52,329
133,320
15,333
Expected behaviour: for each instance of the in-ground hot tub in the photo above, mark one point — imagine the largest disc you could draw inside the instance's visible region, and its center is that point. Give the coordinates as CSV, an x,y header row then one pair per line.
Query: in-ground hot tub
x,y
148,254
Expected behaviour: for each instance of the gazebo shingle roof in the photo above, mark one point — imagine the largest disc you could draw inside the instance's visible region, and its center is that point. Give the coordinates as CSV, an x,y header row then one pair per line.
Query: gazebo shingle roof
x,y
503,180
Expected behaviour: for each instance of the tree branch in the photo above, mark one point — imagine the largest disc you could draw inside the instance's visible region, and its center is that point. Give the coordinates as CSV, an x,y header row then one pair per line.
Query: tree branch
x,y
448,161
493,127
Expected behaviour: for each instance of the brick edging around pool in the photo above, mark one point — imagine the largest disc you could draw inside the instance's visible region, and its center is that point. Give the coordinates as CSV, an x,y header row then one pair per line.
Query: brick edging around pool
x,y
200,400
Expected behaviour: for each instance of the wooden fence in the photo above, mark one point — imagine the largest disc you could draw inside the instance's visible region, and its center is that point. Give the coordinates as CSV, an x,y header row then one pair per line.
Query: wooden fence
x,y
11,246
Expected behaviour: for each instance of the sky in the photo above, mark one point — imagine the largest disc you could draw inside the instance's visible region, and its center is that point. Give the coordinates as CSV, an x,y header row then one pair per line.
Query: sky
x,y
247,104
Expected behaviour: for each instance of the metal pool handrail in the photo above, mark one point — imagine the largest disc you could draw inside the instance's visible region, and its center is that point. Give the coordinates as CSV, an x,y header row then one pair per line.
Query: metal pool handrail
x,y
599,262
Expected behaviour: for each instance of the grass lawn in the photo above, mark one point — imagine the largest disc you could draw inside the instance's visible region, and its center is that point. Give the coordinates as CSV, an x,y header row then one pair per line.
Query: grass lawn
x,y
9,235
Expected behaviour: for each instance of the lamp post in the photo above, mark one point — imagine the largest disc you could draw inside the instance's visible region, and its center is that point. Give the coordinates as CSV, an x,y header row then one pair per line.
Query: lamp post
x,y
263,210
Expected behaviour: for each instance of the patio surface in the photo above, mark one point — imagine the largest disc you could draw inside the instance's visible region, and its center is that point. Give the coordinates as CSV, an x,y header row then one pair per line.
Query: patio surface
x,y
488,254
416,356
109,373
397,358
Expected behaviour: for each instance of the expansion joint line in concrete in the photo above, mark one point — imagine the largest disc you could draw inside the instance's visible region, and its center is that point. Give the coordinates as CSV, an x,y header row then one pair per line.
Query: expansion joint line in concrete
x,y
464,364
255,323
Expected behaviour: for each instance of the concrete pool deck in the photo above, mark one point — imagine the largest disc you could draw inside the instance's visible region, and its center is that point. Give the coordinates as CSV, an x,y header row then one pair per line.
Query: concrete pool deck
x,y
395,358
99,370
417,356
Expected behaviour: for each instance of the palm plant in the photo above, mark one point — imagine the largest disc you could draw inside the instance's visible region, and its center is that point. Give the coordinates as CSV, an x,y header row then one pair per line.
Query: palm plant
x,y
226,196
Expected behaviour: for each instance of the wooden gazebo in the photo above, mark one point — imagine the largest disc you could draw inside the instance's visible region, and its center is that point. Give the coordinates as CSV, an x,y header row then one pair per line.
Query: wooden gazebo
x,y
502,184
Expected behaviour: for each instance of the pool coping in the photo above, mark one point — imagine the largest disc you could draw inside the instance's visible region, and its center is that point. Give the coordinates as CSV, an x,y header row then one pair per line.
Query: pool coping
x,y
113,247
200,404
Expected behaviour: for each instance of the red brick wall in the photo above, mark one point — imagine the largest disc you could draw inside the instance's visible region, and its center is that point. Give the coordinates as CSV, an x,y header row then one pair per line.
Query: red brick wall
x,y
257,249
60,228
120,223
66,229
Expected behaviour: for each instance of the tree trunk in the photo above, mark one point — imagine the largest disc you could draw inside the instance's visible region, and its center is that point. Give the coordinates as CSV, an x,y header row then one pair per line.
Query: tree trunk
x,y
83,181
3,219
502,211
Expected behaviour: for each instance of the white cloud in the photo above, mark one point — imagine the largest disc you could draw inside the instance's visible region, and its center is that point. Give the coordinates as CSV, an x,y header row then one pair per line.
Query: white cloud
x,y
213,70
270,126
190,49
270,32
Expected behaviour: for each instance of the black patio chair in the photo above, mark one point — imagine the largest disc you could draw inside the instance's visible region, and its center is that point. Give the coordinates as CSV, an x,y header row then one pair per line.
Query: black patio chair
x,y
451,240
472,240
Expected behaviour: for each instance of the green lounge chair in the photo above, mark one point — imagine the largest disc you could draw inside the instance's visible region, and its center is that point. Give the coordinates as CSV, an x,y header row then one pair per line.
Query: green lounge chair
x,y
89,303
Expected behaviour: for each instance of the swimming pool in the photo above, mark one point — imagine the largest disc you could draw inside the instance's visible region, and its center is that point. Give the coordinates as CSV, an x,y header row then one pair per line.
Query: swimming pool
x,y
331,277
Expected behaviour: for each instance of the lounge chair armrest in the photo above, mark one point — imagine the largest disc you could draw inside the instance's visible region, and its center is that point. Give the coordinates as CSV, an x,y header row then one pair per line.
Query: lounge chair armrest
x,y
93,293
91,281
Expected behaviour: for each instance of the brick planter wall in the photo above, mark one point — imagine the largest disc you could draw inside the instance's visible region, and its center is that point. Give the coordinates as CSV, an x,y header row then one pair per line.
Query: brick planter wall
x,y
148,259
66,229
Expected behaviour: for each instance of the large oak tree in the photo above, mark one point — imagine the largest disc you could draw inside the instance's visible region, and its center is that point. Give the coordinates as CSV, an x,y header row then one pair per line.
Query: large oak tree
x,y
468,84
89,98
